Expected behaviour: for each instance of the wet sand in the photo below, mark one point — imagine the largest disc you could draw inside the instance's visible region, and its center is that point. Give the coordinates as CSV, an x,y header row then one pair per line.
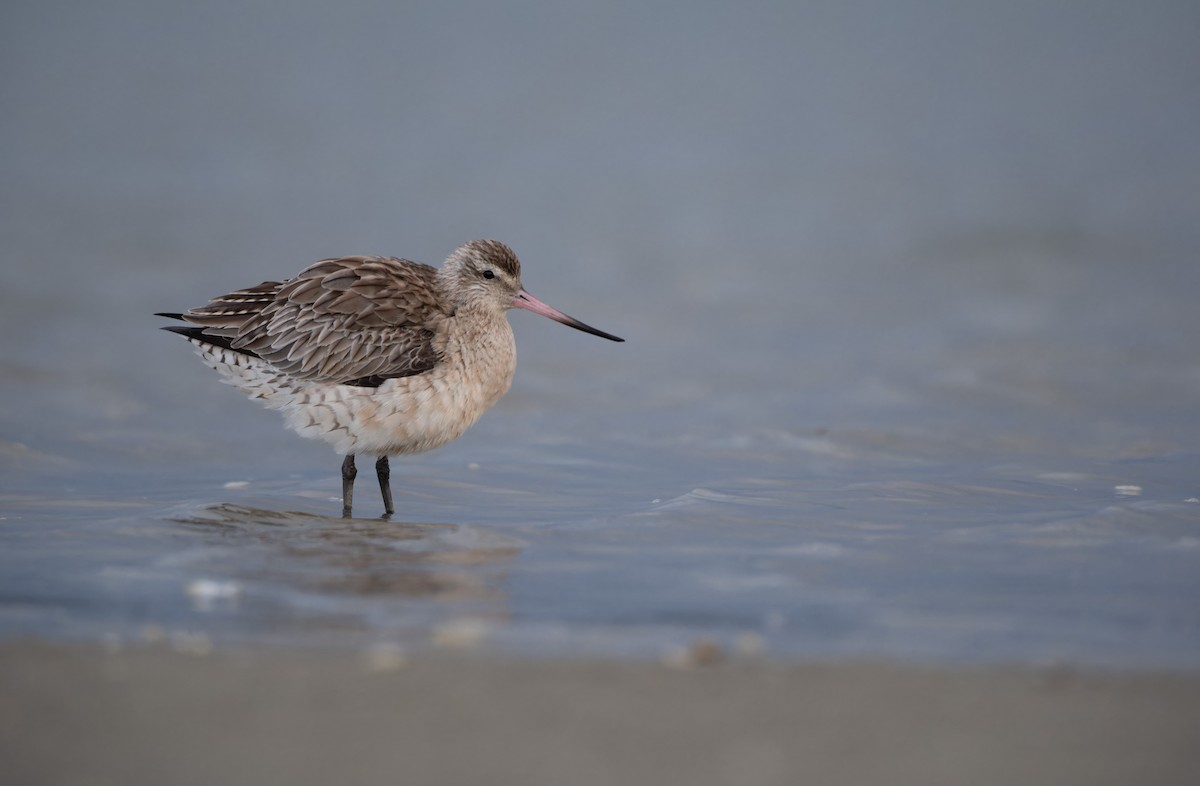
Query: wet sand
x,y
156,716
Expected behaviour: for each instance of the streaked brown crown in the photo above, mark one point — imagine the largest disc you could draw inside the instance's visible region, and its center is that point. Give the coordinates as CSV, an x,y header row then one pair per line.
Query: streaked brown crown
x,y
494,252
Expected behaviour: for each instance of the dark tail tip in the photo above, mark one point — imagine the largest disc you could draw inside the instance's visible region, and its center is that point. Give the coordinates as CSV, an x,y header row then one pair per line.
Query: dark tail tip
x,y
168,315
190,332
196,333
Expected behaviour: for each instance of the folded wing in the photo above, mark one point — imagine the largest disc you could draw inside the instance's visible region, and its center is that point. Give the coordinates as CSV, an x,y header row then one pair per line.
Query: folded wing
x,y
354,320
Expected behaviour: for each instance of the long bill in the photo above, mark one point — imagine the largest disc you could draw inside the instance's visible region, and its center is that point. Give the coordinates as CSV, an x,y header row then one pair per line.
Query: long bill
x,y
530,303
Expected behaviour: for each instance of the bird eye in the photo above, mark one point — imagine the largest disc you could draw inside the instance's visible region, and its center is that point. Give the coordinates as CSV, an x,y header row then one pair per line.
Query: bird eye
x,y
488,274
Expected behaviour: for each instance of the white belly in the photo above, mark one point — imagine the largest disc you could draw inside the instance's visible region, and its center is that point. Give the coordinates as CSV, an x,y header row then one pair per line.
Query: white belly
x,y
402,415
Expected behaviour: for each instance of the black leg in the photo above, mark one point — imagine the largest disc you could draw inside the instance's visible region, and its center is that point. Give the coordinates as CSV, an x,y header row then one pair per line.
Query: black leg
x,y
349,471
384,472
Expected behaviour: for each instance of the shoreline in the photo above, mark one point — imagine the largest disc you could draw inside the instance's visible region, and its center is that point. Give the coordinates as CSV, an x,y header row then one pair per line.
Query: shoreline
x,y
71,713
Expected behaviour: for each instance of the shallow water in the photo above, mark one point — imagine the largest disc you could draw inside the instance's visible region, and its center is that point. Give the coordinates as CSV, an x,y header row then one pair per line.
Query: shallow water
x,y
911,367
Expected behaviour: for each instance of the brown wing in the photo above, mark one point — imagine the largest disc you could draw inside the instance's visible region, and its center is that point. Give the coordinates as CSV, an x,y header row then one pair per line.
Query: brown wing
x,y
356,320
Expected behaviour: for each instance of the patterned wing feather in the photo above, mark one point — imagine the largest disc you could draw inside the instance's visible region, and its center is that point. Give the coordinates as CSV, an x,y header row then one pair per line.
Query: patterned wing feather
x,y
355,320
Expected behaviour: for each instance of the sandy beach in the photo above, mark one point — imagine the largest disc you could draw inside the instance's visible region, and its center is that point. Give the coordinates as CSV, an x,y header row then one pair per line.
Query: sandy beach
x,y
155,716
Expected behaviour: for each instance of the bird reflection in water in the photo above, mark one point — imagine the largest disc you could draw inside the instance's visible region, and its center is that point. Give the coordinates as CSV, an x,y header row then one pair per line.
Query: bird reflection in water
x,y
366,557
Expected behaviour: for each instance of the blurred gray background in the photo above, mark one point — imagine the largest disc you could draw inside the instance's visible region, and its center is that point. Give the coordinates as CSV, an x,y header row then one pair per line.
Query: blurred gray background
x,y
854,247
793,195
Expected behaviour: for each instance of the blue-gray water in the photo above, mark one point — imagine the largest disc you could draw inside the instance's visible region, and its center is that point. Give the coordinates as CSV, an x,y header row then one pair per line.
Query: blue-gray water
x,y
911,294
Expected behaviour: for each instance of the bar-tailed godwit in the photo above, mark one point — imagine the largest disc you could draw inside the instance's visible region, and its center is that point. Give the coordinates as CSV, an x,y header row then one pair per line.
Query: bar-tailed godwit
x,y
374,355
